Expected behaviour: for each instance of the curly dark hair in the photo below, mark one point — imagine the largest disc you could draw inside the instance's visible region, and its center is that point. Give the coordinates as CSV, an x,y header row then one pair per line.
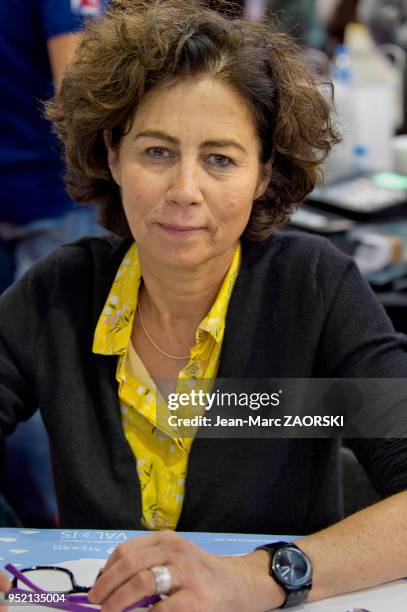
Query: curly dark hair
x,y
140,44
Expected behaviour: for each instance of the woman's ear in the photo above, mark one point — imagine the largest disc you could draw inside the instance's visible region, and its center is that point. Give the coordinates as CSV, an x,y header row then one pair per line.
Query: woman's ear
x,y
112,156
264,179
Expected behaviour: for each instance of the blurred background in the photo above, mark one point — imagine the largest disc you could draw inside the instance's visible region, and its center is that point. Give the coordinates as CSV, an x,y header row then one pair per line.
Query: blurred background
x,y
361,207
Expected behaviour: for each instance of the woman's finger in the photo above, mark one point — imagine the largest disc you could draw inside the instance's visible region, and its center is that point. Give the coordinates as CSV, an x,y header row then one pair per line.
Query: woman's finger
x,y
135,556
125,567
138,543
182,601
136,588
5,585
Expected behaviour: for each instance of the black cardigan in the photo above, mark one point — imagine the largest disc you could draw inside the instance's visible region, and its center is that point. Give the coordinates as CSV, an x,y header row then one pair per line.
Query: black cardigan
x,y
299,309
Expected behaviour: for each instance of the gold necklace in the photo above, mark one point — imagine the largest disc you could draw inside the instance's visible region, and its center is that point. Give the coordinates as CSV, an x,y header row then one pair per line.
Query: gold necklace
x,y
143,327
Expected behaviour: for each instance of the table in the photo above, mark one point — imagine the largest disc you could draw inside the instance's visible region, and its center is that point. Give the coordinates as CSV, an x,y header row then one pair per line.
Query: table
x,y
85,552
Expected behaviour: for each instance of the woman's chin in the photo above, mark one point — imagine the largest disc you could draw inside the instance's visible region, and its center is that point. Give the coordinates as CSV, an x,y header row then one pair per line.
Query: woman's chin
x,y
184,259
178,253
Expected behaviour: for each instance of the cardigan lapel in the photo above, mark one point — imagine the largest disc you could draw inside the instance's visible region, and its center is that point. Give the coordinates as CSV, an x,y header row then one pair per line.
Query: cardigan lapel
x,y
245,326
245,321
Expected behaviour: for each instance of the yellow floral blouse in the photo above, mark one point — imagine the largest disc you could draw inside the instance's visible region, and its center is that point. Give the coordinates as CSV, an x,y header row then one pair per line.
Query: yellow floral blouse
x,y
161,454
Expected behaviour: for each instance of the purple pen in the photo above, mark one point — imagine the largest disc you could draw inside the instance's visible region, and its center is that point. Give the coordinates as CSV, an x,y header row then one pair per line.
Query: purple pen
x,y
143,603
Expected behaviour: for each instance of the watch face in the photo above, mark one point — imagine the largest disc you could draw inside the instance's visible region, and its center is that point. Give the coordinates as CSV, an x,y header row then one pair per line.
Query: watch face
x,y
292,567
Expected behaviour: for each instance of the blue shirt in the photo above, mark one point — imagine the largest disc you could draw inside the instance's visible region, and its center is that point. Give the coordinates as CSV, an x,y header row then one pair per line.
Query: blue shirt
x,y
31,169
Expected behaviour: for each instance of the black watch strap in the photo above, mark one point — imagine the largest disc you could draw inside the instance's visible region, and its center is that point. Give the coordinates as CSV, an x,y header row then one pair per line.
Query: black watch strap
x,y
294,597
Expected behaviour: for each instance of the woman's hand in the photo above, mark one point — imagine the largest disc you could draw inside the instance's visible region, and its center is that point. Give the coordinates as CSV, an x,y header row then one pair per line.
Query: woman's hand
x,y
5,585
200,581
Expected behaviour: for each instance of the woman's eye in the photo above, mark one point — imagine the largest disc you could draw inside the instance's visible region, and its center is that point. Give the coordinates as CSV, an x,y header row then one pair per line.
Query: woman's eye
x,y
158,152
221,161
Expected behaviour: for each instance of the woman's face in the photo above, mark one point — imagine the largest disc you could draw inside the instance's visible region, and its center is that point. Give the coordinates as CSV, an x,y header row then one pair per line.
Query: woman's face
x,y
189,171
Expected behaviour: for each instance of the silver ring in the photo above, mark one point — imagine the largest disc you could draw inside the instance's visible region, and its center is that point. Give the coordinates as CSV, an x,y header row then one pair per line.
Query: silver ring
x,y
162,578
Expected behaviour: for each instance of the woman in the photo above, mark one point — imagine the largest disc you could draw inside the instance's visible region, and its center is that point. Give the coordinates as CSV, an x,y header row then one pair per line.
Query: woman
x,y
195,134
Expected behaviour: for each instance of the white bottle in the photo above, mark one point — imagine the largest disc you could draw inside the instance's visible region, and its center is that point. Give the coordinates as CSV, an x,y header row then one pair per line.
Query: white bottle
x,y
365,106
377,98
371,65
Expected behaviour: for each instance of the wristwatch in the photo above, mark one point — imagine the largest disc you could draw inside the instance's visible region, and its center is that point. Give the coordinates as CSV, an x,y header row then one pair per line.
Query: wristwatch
x,y
292,569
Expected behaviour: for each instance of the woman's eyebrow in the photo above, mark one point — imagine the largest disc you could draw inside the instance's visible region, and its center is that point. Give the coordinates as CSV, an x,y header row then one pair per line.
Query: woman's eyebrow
x,y
157,134
224,142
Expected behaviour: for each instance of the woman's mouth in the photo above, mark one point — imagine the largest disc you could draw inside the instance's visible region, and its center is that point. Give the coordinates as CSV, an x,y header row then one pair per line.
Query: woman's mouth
x,y
180,230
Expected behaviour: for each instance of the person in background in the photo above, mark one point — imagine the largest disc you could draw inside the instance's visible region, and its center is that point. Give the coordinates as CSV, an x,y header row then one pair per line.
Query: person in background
x,y
37,41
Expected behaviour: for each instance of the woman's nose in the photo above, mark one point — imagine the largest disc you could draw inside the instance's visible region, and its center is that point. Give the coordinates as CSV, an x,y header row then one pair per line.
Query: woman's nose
x,y
184,187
